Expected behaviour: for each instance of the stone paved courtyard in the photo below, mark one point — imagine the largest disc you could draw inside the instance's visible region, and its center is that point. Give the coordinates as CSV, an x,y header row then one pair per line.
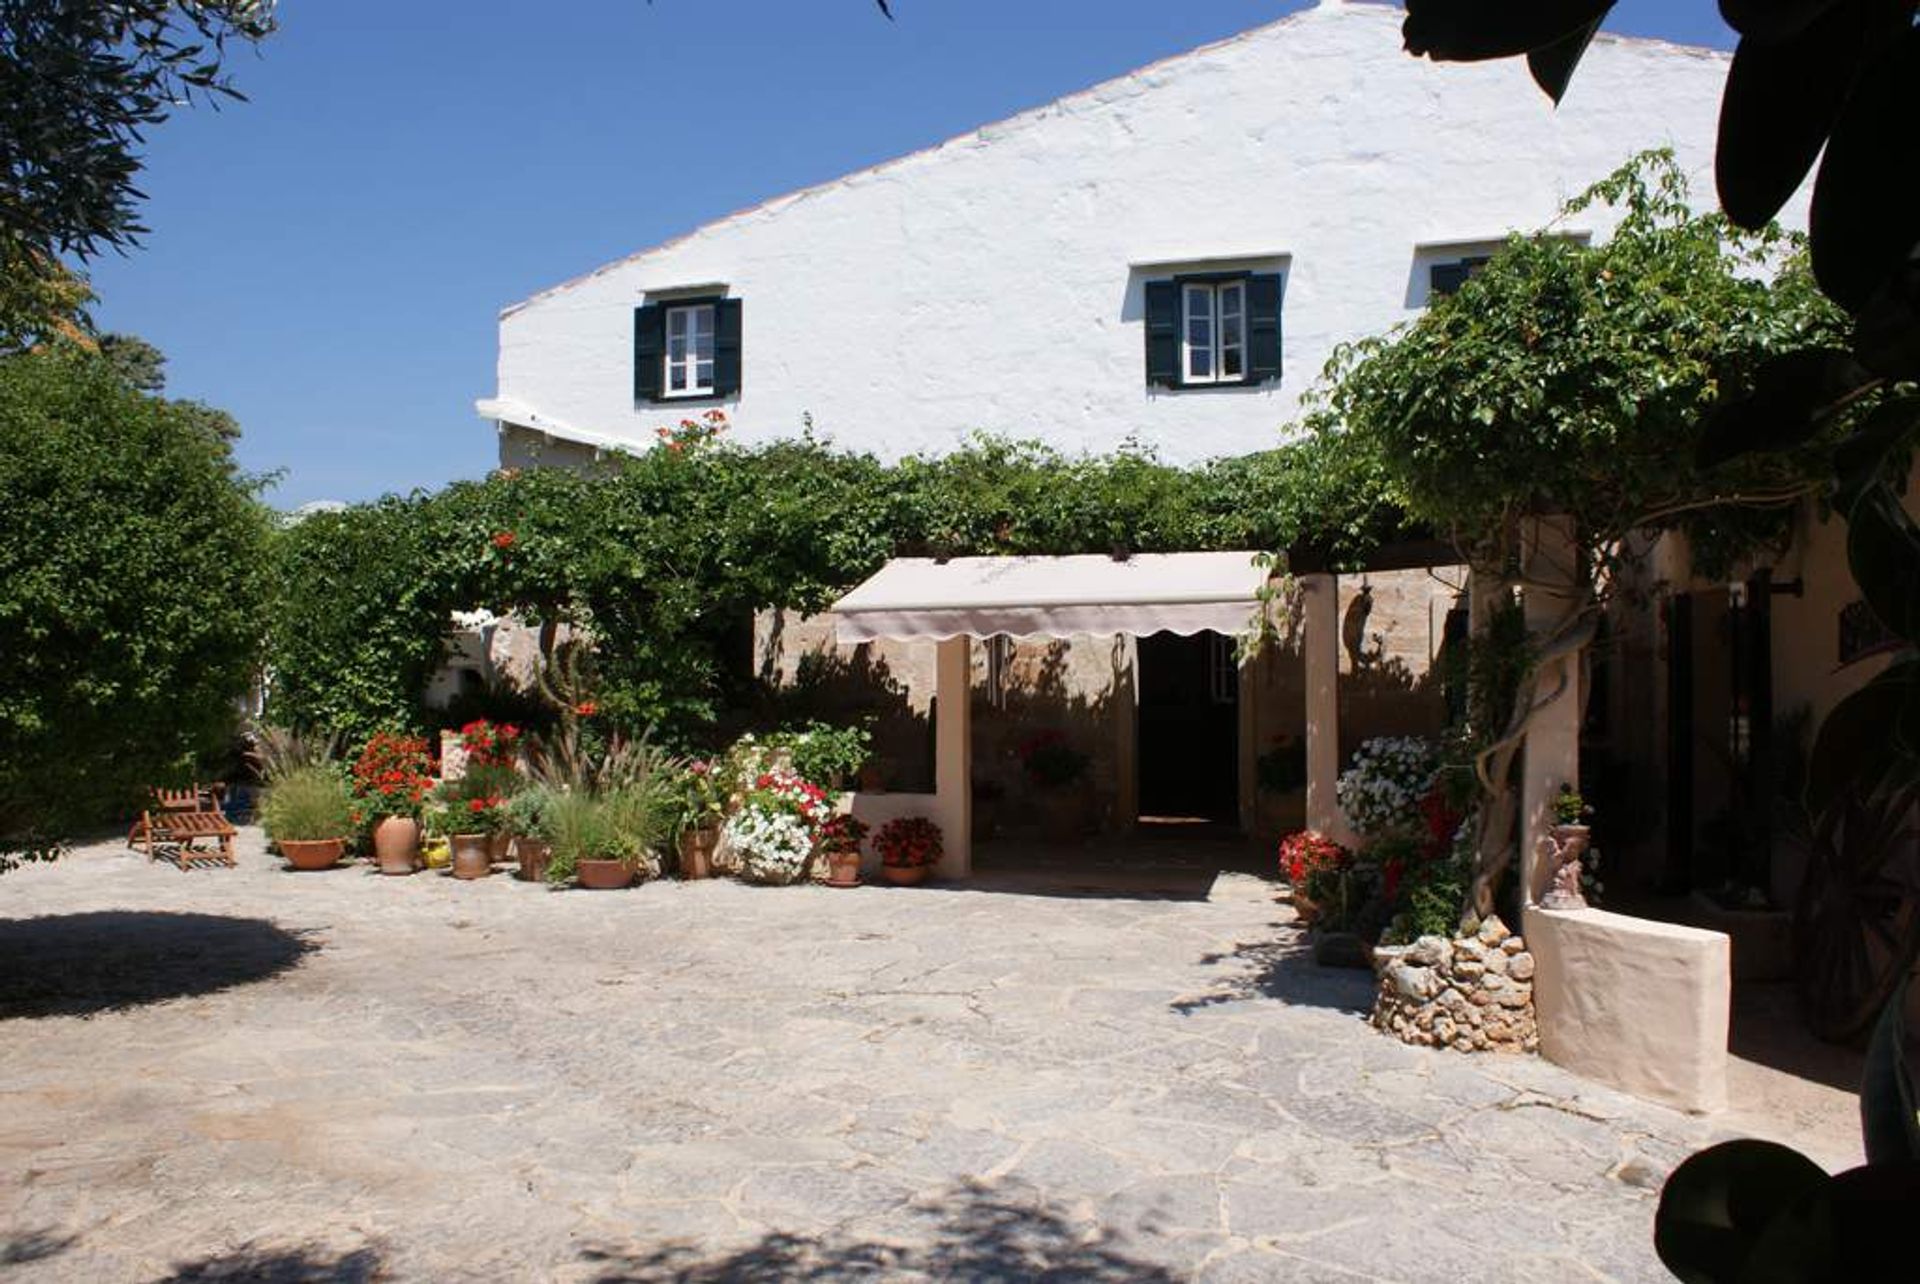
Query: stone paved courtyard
x,y
251,1074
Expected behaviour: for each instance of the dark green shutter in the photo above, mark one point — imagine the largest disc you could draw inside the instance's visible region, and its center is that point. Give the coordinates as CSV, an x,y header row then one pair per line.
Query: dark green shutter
x,y
1263,327
649,351
1163,334
726,347
1445,278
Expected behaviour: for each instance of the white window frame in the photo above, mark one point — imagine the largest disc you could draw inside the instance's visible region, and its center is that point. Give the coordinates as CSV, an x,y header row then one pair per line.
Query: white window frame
x,y
999,670
1223,669
688,360
1219,302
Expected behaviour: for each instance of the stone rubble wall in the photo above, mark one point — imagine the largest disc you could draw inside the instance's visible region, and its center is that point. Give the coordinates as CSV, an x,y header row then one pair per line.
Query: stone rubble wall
x,y
1473,994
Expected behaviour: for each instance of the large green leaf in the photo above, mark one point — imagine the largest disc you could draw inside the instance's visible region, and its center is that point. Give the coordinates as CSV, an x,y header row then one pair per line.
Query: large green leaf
x,y
1552,65
1883,552
1858,736
1776,19
1781,101
1860,461
1718,1203
1791,395
1886,334
1855,1226
1472,30
1866,203
1889,1124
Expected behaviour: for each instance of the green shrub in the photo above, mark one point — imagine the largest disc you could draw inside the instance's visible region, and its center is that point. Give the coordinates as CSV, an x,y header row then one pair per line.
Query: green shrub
x,y
131,591
308,804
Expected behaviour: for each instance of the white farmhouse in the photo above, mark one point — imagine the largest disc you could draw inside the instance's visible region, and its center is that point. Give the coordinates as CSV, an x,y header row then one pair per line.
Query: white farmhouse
x,y
1168,257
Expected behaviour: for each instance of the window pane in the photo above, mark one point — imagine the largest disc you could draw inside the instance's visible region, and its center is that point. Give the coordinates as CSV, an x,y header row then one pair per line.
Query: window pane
x,y
1233,330
676,378
703,346
1230,364
676,347
1231,299
703,320
703,374
1200,363
676,321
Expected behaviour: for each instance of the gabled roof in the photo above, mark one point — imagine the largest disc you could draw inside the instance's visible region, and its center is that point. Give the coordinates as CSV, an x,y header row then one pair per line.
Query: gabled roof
x,y
1139,80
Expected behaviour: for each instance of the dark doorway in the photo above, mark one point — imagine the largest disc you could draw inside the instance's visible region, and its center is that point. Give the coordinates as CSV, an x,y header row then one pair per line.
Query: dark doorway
x,y
1189,747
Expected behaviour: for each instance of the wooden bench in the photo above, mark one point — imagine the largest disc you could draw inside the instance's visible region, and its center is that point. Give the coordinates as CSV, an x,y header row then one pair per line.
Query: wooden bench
x,y
179,818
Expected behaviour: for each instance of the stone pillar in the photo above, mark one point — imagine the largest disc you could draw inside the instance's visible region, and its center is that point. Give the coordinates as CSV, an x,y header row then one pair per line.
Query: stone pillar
x,y
953,755
1551,755
1320,637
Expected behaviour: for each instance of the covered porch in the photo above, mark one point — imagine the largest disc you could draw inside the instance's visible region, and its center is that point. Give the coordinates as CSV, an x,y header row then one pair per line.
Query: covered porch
x,y
950,604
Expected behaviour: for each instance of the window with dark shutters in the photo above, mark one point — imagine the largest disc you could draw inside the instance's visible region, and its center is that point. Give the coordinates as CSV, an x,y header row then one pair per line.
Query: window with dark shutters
x,y
649,351
1163,334
726,347
687,349
1214,330
1445,278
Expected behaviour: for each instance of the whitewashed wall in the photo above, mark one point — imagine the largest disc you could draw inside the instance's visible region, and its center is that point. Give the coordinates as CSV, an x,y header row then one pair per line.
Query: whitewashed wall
x,y
994,282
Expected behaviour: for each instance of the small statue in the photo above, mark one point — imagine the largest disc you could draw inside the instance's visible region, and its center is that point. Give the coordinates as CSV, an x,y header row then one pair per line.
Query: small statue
x,y
1566,845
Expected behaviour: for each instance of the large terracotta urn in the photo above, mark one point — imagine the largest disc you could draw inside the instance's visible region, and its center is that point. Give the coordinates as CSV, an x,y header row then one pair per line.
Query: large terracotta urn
x,y
396,845
533,855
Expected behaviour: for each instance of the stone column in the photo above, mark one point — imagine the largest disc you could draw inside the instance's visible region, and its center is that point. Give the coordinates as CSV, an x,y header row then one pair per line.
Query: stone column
x,y
1551,755
1320,636
953,754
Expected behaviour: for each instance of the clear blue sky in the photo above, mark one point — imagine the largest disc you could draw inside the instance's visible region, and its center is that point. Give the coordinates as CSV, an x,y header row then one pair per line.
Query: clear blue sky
x,y
327,259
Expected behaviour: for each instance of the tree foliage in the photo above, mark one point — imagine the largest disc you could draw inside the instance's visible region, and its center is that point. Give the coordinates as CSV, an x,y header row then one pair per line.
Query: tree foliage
x,y
80,83
665,556
1574,379
131,590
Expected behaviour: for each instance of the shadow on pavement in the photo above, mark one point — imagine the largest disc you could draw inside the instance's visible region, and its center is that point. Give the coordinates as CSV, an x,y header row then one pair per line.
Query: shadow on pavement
x,y
19,1248
1282,969
972,1233
303,1265
84,964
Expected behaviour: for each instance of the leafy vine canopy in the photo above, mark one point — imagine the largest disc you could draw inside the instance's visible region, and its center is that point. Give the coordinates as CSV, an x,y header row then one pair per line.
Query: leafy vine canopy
x,y
1574,379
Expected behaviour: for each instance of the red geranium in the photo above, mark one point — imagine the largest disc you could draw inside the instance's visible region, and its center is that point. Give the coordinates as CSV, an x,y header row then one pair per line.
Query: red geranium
x,y
1308,852
504,540
393,773
908,842
490,744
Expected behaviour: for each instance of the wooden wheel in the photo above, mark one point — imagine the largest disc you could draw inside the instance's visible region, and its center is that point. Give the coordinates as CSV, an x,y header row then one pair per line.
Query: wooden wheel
x,y
1856,926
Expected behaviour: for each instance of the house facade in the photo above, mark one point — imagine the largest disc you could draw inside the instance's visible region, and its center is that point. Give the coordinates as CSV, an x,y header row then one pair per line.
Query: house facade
x,y
1166,259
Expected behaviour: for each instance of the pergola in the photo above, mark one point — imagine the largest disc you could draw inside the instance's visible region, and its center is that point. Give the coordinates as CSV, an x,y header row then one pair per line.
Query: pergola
x,y
950,602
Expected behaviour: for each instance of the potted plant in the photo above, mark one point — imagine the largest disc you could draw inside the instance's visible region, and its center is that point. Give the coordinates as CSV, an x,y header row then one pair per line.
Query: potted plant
x,y
840,839
391,778
525,819
309,815
1570,838
603,840
1056,769
772,835
477,802
704,799
1305,857
908,846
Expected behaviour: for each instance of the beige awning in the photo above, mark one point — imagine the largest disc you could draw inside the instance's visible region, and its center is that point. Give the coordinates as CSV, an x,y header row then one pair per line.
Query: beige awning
x,y
1186,593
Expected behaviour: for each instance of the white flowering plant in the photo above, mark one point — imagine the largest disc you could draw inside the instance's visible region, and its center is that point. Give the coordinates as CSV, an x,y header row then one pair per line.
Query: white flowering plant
x,y
774,832
773,845
1382,790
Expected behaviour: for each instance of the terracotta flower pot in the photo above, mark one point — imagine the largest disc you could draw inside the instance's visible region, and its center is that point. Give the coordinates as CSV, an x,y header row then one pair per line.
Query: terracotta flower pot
x,y
533,856
499,847
396,845
696,851
603,875
843,869
472,856
904,875
319,853
1063,815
